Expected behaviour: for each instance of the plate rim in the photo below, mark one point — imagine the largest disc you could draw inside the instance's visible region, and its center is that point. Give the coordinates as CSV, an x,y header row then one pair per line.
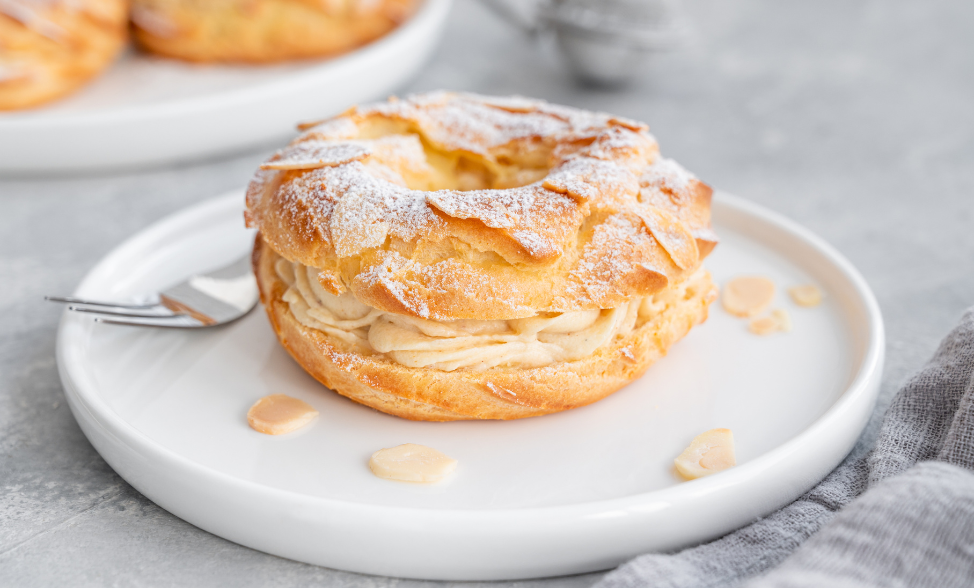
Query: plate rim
x,y
856,401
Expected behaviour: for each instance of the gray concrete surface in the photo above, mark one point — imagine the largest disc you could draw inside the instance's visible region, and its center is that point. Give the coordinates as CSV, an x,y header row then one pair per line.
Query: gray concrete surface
x,y
854,118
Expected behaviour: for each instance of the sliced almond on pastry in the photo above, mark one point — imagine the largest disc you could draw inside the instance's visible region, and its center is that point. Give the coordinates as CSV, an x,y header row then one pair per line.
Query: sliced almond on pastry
x,y
747,296
709,453
412,463
279,413
807,295
317,154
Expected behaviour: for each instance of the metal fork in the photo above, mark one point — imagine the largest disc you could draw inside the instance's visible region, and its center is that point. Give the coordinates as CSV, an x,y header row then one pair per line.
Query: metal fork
x,y
203,300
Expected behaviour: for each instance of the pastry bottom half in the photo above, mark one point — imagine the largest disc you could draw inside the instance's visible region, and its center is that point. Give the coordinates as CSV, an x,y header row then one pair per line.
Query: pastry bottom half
x,y
497,393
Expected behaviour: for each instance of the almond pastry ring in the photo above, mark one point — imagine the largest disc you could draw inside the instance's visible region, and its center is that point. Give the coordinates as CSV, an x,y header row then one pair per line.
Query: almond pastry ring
x,y
262,31
49,48
452,256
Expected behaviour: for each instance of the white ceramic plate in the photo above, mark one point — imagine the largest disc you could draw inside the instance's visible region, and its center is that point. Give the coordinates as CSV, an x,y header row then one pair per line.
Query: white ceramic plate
x,y
147,110
560,494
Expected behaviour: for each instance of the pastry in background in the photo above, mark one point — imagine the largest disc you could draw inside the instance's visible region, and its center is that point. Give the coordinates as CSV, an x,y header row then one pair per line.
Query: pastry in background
x,y
262,31
49,48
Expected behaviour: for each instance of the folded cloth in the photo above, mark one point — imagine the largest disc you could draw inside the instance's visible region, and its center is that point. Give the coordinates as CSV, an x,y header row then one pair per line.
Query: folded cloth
x,y
903,515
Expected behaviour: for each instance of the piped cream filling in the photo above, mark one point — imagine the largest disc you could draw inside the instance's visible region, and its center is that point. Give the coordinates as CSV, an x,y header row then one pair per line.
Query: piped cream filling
x,y
537,341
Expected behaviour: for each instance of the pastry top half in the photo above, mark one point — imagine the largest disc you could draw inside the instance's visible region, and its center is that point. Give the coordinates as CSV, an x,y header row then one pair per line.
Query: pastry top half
x,y
49,48
449,206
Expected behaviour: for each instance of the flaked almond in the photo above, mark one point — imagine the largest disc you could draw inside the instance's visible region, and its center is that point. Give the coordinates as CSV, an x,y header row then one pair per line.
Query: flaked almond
x,y
763,325
807,295
707,454
317,154
784,319
778,320
412,463
279,413
747,296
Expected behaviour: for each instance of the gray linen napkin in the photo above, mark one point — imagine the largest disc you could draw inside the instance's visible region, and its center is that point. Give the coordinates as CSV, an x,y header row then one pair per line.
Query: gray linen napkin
x,y
901,516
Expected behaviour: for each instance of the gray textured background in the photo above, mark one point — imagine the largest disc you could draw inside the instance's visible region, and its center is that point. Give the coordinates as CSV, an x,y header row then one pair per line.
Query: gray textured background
x,y
854,118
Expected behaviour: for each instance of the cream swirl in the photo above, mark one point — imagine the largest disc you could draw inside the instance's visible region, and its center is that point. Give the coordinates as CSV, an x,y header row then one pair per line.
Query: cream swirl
x,y
537,341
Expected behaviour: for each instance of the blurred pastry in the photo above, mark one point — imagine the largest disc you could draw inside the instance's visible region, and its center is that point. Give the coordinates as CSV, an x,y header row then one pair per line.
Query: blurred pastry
x,y
260,31
49,48
452,256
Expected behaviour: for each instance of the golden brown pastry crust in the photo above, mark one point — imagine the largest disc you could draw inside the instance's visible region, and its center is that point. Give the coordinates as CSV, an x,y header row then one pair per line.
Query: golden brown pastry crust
x,y
49,48
497,393
262,31
454,206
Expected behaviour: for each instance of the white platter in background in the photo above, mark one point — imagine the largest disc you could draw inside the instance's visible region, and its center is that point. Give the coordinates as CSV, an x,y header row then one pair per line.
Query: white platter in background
x,y
147,110
561,494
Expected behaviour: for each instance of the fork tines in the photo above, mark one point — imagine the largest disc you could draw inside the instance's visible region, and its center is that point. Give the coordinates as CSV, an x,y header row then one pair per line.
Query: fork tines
x,y
101,303
145,315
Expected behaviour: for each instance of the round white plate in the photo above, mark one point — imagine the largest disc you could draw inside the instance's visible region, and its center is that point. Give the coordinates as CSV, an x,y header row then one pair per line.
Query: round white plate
x,y
149,110
566,493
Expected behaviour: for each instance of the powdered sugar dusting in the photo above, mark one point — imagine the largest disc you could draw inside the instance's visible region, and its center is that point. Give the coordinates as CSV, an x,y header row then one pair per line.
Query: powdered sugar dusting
x,y
501,209
388,275
307,204
618,144
375,208
666,174
536,245
412,284
466,122
315,154
606,259
359,222
672,235
586,178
